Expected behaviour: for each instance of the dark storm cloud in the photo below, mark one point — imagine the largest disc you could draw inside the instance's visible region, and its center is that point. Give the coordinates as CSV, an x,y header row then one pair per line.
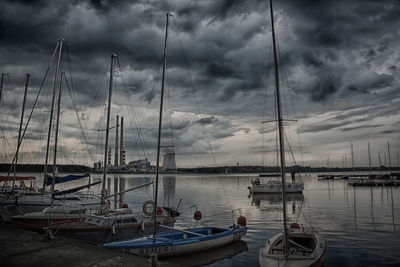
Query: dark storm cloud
x,y
360,127
322,127
334,55
208,120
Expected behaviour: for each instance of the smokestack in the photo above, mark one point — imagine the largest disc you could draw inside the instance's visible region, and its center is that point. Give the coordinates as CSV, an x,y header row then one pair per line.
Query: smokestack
x,y
116,144
121,144
108,158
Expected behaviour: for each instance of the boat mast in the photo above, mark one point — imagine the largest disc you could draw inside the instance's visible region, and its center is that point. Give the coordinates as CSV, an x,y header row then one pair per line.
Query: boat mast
x,y
280,128
369,161
103,187
20,129
56,140
390,165
1,84
352,158
160,126
60,44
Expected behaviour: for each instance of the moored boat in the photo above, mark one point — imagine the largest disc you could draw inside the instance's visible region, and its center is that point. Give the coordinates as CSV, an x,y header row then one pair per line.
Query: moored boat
x,y
306,248
180,241
177,241
296,246
111,226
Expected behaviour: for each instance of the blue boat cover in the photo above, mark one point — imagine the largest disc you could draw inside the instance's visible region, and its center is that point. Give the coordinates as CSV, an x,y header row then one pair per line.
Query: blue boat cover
x,y
177,237
62,179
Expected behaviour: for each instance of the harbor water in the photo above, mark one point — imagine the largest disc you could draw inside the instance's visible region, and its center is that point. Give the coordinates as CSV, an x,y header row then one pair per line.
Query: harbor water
x,y
361,225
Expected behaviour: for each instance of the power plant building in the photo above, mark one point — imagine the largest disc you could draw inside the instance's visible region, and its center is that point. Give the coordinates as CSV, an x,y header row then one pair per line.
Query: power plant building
x,y
169,160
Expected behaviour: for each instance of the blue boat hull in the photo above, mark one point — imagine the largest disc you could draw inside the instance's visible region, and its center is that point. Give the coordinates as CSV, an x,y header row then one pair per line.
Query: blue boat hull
x,y
177,242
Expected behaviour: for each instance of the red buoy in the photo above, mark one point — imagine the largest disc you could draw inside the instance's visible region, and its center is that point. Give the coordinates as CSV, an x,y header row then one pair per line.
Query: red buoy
x,y
241,220
159,210
295,226
197,215
125,206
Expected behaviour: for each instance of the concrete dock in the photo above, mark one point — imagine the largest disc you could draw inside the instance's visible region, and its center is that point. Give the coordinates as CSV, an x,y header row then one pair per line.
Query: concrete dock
x,y
25,248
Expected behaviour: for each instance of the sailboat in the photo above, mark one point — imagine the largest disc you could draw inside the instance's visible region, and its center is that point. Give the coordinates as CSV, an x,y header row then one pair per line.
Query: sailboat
x,y
108,225
177,241
296,246
17,204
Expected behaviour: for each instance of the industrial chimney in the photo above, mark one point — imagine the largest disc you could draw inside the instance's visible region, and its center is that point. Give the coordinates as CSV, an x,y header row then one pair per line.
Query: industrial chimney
x,y
121,144
116,144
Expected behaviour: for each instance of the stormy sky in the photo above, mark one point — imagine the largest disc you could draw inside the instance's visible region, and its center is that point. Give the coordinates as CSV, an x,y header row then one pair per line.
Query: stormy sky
x,y
338,62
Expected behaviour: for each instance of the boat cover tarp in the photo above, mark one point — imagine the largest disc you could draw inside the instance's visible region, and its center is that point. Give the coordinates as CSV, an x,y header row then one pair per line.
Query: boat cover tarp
x,y
63,179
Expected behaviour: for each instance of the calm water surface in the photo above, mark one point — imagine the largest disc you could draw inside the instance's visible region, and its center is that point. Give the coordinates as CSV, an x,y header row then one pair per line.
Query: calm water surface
x,y
360,225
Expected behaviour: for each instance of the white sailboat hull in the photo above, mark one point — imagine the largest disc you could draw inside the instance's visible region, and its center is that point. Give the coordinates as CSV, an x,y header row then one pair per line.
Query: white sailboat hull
x,y
270,255
36,203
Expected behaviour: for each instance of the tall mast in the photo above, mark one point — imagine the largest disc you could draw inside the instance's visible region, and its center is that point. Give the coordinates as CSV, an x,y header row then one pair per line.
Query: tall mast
x,y
1,84
380,161
56,139
390,165
369,160
1,91
20,129
160,126
280,127
60,44
352,157
103,188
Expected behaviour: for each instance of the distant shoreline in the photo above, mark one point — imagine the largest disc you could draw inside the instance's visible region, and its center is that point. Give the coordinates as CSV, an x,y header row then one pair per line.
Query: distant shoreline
x,y
68,168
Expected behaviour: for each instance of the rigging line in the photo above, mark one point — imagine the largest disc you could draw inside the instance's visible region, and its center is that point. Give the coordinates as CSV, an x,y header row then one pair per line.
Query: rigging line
x,y
127,98
290,149
97,91
264,109
195,96
290,90
170,110
74,102
83,134
150,98
33,108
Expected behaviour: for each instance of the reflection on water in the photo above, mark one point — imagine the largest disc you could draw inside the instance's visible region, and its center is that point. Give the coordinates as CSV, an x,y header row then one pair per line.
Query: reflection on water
x,y
211,256
360,225
256,199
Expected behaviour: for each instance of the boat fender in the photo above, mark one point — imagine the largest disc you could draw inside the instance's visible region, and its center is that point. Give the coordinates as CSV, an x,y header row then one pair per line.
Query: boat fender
x,y
295,226
142,226
197,215
159,211
125,206
241,220
113,229
108,202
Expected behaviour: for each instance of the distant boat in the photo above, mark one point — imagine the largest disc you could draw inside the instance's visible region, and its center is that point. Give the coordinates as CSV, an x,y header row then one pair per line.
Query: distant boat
x,y
177,241
296,246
